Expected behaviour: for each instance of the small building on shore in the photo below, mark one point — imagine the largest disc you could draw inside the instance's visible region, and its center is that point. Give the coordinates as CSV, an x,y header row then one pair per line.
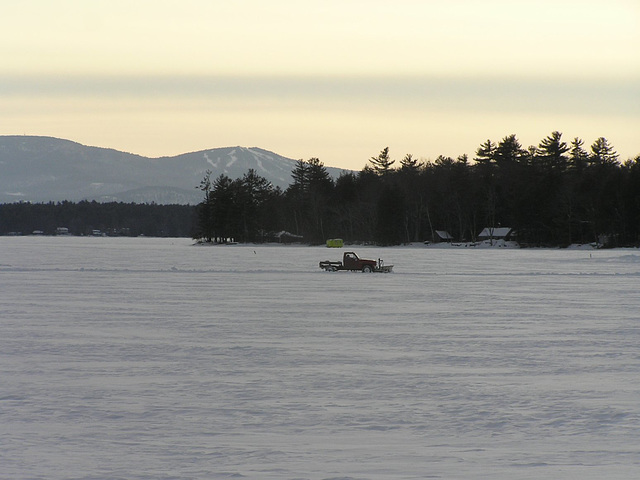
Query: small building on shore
x,y
441,236
496,233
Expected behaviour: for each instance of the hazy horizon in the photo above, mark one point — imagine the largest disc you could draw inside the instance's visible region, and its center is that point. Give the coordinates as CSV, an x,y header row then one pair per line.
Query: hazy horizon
x,y
333,80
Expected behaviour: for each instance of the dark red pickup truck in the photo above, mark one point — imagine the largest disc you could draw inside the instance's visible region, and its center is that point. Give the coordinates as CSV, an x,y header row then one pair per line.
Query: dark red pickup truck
x,y
351,261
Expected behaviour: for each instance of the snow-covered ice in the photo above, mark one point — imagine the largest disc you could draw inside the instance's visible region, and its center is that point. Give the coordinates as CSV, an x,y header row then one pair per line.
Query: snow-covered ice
x,y
155,359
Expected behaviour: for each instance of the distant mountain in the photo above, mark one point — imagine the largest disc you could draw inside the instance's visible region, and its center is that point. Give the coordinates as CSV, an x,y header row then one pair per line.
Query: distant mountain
x,y
42,169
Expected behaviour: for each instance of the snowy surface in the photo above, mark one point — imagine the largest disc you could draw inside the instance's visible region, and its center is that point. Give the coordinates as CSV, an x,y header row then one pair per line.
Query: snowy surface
x,y
156,359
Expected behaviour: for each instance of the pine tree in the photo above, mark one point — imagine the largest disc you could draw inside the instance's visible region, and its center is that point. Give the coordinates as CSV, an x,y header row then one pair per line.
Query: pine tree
x,y
509,151
486,153
204,229
317,175
382,163
409,164
253,192
578,156
551,152
224,208
308,198
300,175
602,153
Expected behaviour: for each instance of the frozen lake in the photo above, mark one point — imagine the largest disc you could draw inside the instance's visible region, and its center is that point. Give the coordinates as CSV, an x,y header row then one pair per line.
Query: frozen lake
x,y
141,358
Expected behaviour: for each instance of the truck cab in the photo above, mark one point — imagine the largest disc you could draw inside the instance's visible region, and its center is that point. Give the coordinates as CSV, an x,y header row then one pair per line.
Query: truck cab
x,y
351,261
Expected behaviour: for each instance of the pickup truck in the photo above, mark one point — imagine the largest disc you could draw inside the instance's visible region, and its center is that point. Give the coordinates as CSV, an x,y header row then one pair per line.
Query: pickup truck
x,y
351,261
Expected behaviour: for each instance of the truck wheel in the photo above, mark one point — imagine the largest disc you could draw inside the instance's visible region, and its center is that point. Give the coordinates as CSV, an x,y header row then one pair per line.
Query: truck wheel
x,y
367,269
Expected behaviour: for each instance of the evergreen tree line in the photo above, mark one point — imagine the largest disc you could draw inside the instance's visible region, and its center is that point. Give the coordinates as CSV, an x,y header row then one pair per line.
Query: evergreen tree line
x,y
552,194
86,218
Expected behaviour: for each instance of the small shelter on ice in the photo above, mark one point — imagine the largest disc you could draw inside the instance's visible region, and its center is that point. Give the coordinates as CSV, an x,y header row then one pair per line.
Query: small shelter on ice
x,y
495,233
335,243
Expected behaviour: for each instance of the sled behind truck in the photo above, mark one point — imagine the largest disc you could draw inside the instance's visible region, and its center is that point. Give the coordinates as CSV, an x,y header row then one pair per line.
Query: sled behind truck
x,y
351,261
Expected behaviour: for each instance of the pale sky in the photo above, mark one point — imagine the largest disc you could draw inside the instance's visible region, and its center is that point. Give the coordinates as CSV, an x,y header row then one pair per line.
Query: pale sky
x,y
333,79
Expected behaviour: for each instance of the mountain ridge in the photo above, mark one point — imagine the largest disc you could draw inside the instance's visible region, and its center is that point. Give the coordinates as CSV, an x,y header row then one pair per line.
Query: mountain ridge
x,y
41,169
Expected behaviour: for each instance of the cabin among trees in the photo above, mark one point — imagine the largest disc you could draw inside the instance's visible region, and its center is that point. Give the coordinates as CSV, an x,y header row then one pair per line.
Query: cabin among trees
x,y
497,233
442,236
